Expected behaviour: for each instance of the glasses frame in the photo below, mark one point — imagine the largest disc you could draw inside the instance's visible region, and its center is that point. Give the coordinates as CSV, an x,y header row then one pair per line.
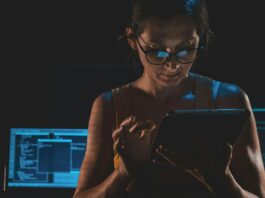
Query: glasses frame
x,y
171,54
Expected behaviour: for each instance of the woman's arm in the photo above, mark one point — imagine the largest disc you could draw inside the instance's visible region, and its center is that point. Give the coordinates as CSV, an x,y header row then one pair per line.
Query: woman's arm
x,y
97,175
246,166
241,173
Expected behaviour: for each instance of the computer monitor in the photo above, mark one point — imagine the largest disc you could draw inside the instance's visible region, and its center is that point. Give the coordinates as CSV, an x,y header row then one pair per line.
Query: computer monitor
x,y
45,158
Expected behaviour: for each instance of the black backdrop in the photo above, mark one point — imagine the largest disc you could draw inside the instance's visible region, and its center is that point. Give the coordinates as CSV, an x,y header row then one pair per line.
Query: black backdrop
x,y
59,57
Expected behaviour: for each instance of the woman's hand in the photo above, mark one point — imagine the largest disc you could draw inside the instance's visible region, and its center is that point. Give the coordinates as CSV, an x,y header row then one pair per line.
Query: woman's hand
x,y
131,140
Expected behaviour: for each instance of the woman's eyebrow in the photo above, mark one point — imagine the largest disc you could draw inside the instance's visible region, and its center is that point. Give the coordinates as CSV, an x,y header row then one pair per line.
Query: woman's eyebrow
x,y
157,43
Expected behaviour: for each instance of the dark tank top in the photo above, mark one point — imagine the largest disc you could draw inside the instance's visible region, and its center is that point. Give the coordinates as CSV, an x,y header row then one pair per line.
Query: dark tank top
x,y
148,184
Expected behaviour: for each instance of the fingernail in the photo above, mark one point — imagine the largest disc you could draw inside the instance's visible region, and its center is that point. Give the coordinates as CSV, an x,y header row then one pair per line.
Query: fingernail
x,y
126,121
142,133
130,118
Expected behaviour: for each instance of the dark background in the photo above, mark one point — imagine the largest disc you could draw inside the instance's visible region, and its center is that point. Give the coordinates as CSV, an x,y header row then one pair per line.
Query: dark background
x,y
57,58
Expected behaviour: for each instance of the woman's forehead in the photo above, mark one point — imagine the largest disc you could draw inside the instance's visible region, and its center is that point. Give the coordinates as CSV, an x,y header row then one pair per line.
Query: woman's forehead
x,y
161,30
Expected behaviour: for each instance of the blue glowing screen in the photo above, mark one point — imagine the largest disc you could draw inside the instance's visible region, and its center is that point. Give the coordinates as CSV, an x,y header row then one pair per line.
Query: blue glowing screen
x,y
45,157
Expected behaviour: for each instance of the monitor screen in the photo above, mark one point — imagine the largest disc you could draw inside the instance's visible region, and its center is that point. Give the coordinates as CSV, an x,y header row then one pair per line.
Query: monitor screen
x,y
42,157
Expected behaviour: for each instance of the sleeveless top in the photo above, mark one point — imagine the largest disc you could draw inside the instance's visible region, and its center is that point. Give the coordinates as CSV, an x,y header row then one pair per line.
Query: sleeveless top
x,y
205,91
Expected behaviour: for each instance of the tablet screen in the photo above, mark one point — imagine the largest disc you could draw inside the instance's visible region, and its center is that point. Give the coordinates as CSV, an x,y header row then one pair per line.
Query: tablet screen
x,y
181,131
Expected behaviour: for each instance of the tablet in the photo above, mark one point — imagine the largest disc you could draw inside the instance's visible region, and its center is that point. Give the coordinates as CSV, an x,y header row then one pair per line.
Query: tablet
x,y
180,130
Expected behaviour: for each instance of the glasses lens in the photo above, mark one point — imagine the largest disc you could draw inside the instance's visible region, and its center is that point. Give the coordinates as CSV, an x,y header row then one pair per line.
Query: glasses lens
x,y
186,55
157,56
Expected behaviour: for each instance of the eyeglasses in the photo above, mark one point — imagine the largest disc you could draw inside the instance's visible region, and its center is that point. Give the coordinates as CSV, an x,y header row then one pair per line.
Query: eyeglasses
x,y
185,55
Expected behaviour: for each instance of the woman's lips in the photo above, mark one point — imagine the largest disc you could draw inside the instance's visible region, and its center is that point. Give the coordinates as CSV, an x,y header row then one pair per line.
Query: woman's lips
x,y
170,75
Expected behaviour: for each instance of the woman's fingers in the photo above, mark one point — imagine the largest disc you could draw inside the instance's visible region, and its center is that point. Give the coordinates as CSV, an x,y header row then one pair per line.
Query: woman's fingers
x,y
136,126
117,145
143,133
116,133
128,121
129,131
123,127
143,127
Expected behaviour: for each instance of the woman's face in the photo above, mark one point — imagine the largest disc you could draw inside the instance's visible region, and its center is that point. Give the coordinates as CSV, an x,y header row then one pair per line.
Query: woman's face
x,y
177,36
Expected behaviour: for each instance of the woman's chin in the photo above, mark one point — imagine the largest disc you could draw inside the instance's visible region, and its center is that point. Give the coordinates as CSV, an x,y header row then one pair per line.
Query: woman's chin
x,y
169,80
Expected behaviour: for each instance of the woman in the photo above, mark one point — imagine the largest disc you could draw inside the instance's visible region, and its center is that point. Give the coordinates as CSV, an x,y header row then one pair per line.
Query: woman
x,y
167,36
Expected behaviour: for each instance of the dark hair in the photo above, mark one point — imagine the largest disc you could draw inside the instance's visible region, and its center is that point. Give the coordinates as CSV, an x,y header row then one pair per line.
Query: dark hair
x,y
196,9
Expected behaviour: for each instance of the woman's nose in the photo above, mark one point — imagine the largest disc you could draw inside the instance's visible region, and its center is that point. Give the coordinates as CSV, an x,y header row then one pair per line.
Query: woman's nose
x,y
172,65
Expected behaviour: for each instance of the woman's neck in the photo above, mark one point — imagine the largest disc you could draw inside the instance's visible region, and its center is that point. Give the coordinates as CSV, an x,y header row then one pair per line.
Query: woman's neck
x,y
163,94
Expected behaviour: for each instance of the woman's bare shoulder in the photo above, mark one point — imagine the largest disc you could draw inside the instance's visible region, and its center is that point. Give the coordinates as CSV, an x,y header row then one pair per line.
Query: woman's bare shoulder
x,y
102,112
231,96
104,99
